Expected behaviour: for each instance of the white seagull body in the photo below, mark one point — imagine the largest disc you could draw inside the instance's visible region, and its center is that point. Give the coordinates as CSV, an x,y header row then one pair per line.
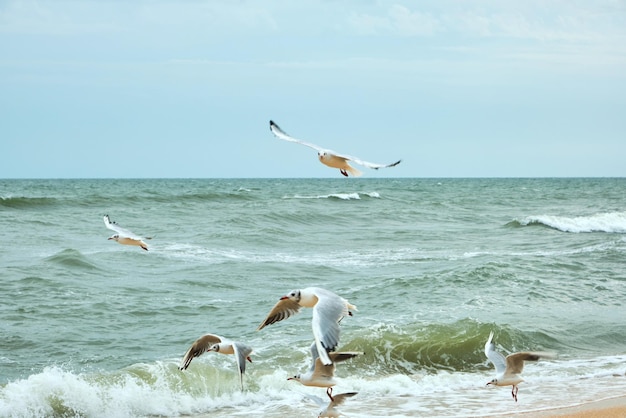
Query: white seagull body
x,y
124,236
321,375
328,310
328,410
509,368
212,342
331,158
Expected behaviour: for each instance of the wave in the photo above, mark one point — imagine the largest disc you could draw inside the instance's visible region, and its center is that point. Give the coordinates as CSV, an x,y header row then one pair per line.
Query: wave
x,y
21,202
455,347
611,222
210,388
338,196
417,369
71,258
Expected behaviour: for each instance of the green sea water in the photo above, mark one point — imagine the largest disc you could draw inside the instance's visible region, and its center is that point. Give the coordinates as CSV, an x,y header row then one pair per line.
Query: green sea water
x,y
92,328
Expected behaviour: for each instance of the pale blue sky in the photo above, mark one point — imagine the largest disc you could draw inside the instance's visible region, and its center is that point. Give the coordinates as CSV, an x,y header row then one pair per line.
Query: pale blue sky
x,y
167,88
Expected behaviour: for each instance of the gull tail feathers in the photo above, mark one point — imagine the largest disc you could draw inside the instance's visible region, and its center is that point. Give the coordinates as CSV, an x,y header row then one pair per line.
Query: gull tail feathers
x,y
354,172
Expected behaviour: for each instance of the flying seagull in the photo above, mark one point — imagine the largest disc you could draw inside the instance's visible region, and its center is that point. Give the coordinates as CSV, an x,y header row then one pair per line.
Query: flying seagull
x,y
509,368
328,310
320,375
212,342
124,236
331,158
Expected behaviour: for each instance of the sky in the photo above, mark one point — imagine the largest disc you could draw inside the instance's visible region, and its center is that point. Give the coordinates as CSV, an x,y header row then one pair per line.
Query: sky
x,y
186,88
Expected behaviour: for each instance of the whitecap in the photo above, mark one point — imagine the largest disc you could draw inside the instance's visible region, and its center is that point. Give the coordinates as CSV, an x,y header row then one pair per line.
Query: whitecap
x,y
612,222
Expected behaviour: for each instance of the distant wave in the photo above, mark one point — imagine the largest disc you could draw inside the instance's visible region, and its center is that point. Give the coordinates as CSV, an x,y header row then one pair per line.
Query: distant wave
x,y
340,196
20,202
612,222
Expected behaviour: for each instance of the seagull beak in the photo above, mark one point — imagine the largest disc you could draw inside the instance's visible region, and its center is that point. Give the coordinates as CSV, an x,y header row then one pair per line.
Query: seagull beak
x,y
488,383
284,297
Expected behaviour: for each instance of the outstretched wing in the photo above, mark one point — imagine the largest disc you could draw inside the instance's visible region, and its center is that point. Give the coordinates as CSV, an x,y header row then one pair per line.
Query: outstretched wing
x,y
367,164
328,371
121,231
327,313
283,309
199,347
279,133
496,358
515,361
340,398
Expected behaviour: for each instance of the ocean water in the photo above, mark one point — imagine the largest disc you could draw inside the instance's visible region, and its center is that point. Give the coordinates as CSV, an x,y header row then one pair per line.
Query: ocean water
x,y
91,328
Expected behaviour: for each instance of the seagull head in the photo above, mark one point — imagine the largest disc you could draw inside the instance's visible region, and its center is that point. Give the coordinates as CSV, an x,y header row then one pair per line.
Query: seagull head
x,y
114,237
294,295
296,377
214,347
493,382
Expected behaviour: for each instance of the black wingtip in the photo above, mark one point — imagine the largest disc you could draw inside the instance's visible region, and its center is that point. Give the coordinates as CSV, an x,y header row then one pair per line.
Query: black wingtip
x,y
272,124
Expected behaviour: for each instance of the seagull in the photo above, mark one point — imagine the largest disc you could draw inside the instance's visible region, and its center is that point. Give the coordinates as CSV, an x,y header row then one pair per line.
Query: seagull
x,y
509,368
331,158
320,375
328,310
329,410
124,236
212,342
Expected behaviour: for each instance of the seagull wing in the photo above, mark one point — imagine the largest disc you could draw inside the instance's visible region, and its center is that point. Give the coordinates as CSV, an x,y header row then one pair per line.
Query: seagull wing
x,y
318,369
121,231
199,347
367,164
341,398
328,370
282,135
515,361
338,357
327,313
242,352
314,356
283,309
496,358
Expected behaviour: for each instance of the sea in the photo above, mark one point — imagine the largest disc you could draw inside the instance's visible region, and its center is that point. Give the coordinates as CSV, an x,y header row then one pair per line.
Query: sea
x,y
92,328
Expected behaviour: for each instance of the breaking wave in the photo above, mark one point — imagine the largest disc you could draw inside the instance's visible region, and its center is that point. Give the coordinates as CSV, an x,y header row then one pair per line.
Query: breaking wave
x,y
338,196
611,222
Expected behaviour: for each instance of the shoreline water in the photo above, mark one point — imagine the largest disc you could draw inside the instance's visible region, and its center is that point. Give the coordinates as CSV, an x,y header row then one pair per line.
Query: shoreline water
x,y
613,407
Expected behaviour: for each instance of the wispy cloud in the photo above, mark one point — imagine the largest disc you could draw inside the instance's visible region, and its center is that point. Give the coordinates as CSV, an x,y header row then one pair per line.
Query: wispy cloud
x,y
530,20
398,20
89,16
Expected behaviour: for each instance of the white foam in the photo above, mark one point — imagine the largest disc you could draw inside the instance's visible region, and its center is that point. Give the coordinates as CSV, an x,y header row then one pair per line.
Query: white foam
x,y
160,389
341,196
613,222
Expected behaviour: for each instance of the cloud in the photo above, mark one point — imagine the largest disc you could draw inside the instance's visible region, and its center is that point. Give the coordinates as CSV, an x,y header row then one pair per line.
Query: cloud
x,y
399,20
530,20
67,17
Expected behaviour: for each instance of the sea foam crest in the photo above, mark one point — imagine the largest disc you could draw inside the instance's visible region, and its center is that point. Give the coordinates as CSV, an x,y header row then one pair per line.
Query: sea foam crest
x,y
340,196
613,222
